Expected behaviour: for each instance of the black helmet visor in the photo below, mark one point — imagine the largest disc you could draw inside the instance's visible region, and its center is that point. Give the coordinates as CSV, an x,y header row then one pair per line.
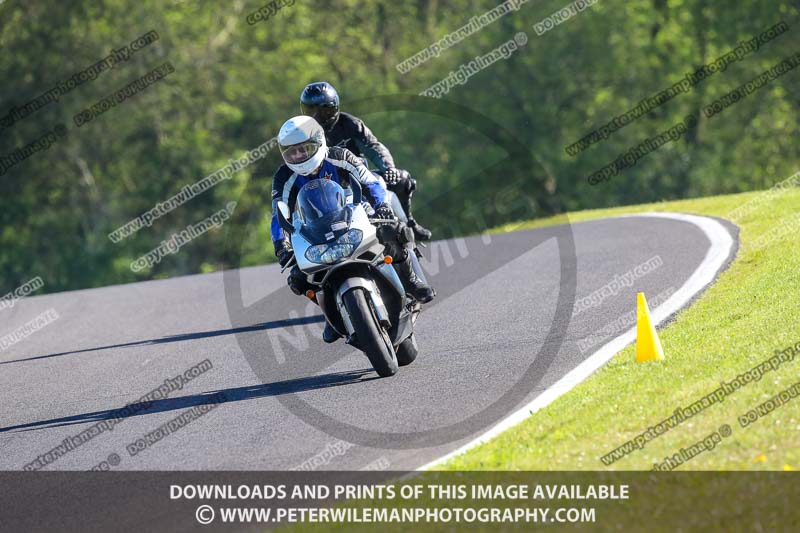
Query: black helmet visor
x,y
324,114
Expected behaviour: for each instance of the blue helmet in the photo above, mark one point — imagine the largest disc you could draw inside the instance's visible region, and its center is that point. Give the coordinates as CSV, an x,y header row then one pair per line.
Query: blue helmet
x,y
321,101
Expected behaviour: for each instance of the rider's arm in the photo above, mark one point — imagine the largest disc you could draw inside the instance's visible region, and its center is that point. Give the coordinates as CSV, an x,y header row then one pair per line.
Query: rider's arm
x,y
280,191
375,151
343,158
277,233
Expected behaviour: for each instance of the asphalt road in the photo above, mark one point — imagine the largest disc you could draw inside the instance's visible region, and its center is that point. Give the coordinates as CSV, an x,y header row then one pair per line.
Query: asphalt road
x,y
494,339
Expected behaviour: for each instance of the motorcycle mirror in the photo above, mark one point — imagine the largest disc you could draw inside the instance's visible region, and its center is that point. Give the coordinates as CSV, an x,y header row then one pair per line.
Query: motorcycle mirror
x,y
283,217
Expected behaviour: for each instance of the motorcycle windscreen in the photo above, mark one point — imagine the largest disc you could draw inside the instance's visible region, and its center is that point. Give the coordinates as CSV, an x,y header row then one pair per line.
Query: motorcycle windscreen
x,y
322,210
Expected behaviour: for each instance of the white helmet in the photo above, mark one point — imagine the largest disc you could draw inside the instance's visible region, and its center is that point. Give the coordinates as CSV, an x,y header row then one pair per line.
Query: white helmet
x,y
302,144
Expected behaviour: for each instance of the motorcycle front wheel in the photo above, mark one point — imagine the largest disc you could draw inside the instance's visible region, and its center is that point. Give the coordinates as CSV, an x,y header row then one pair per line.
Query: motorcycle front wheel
x,y
371,337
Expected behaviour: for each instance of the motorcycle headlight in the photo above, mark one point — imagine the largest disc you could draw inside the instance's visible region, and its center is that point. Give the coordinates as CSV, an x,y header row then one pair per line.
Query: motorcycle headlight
x,y
353,237
344,246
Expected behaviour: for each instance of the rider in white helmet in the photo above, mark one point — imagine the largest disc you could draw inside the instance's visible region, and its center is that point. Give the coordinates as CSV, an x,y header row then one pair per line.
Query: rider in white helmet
x,y
321,101
307,157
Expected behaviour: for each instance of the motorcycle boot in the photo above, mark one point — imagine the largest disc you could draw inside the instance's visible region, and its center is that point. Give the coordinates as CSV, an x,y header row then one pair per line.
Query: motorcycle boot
x,y
410,272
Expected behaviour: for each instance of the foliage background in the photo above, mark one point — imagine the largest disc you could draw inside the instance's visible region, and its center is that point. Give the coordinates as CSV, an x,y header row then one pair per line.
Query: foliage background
x,y
236,83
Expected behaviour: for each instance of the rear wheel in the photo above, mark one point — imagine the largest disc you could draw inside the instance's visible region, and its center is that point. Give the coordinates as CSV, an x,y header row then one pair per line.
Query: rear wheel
x,y
371,337
407,351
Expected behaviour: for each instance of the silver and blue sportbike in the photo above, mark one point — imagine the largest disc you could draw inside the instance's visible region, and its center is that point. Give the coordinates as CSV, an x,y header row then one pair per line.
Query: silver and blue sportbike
x,y
336,246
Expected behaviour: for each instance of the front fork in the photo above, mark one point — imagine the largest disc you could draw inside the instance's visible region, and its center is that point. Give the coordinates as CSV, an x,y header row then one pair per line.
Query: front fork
x,y
330,299
353,283
372,293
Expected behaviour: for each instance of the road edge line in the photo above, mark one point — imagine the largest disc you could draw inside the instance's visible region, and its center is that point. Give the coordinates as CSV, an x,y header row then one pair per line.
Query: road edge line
x,y
722,245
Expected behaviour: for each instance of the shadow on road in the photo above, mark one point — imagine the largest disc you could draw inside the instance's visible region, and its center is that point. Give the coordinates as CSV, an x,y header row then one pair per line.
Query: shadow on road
x,y
236,394
275,324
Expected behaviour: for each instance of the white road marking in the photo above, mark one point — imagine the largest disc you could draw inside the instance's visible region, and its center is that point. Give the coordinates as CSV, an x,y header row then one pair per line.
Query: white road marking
x,y
721,247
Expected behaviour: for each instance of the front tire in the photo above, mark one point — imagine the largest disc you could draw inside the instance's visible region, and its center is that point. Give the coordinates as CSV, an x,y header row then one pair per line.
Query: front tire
x,y
371,337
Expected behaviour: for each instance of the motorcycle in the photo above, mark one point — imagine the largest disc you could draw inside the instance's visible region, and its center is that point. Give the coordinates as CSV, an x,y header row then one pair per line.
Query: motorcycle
x,y
336,246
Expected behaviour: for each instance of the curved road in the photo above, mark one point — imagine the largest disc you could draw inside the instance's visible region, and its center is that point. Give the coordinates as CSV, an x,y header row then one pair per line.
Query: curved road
x,y
487,349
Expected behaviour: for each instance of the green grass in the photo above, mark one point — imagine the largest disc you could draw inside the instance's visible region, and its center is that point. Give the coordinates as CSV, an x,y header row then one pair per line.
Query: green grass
x,y
751,310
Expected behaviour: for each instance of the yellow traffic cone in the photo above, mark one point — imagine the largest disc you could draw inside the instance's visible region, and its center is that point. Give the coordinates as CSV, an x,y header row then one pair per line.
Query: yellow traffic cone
x,y
648,347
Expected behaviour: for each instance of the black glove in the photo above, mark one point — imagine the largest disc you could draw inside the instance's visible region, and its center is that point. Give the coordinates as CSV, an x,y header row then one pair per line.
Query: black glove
x,y
297,281
392,176
384,210
284,252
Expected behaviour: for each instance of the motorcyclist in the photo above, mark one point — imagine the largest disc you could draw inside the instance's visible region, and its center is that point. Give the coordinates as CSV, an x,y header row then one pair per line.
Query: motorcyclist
x,y
307,157
321,101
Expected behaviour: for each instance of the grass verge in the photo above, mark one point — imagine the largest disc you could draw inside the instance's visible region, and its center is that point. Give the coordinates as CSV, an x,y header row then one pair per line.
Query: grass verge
x,y
751,311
